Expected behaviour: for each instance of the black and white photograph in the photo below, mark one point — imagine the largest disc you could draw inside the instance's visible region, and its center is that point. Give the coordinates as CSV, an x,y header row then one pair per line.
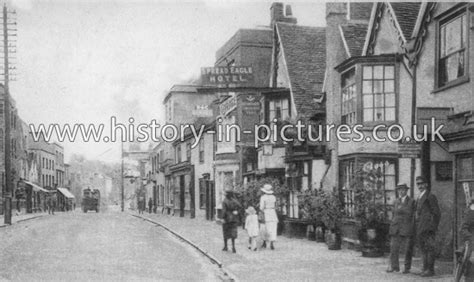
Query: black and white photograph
x,y
236,140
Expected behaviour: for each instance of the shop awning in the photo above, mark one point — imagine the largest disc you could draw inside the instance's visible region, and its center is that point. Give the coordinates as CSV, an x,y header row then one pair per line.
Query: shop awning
x,y
66,193
36,187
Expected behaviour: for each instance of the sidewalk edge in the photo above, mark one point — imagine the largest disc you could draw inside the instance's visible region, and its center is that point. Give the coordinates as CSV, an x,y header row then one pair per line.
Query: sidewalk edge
x,y
21,220
196,246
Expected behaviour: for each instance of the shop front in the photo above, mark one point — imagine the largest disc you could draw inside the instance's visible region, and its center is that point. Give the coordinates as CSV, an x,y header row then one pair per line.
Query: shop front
x,y
460,138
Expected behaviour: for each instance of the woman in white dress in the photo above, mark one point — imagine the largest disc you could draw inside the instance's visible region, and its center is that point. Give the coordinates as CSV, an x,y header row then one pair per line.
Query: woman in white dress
x,y
267,205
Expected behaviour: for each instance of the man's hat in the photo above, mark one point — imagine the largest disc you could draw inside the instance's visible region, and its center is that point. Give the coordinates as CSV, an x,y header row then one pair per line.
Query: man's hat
x,y
402,186
420,179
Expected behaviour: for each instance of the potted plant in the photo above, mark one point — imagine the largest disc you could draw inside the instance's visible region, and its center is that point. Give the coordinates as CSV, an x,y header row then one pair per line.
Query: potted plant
x,y
311,209
332,214
371,212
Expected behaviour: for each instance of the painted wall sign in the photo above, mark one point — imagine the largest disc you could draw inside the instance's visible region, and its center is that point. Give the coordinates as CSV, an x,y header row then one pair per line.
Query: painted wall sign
x,y
409,149
227,106
227,76
202,111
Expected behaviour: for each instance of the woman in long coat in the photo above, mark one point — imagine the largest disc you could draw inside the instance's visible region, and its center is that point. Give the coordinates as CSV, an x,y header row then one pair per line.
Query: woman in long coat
x,y
231,219
268,205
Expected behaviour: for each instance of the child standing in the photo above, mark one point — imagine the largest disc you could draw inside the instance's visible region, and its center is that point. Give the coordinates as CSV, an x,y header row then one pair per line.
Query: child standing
x,y
251,225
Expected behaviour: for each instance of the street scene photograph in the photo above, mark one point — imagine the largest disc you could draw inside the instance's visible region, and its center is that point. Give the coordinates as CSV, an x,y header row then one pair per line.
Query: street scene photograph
x,y
216,140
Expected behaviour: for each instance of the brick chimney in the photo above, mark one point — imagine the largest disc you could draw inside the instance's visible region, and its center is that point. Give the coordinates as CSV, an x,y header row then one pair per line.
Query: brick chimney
x,y
277,15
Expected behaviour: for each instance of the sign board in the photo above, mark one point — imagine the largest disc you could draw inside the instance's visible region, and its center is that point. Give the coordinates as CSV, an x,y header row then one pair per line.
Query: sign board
x,y
227,106
467,193
227,76
410,149
202,111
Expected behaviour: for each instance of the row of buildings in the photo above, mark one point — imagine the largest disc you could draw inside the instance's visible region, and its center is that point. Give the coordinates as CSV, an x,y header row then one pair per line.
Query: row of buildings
x,y
372,64
37,167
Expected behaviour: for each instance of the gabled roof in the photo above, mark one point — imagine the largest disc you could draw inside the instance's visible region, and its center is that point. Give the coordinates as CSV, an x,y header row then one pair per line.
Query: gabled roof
x,y
406,14
353,36
304,50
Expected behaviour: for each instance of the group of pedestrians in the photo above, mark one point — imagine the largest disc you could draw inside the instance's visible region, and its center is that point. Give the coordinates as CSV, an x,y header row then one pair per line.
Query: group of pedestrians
x,y
262,224
414,222
51,203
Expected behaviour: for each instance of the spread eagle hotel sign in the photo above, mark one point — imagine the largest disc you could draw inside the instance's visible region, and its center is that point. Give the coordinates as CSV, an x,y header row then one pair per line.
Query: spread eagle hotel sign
x,y
227,76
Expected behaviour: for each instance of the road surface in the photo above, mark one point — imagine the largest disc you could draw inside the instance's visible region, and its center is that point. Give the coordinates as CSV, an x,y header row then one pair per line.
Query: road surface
x,y
110,246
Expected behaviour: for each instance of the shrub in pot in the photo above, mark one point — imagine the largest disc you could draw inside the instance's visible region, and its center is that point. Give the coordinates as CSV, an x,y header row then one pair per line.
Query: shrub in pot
x,y
332,214
371,212
311,210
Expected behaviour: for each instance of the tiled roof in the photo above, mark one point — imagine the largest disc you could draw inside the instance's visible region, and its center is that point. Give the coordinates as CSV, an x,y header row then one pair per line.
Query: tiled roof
x,y
304,49
407,14
360,10
354,35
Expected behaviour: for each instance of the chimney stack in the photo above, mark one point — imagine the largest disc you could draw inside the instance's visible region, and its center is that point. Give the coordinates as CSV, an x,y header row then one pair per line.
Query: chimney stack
x,y
277,15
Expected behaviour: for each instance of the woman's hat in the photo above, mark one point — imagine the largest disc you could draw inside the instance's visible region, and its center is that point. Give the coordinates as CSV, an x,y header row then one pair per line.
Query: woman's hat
x,y
251,210
267,189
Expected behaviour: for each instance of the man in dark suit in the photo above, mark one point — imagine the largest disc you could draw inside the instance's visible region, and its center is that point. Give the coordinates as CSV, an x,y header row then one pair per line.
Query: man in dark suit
x,y
401,229
428,215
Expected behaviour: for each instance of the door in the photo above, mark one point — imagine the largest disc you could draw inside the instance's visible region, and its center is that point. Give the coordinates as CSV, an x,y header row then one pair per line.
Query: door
x,y
182,188
211,201
192,205
29,199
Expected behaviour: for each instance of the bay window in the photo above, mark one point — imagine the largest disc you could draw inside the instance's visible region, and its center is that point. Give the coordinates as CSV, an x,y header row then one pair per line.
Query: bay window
x,y
369,90
349,102
378,93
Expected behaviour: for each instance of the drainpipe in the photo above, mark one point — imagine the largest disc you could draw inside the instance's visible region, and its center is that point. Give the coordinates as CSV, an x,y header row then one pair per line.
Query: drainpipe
x,y
413,122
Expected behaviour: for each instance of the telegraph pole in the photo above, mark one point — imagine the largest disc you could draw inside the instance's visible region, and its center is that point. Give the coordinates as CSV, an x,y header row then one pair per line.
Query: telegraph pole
x,y
121,178
7,140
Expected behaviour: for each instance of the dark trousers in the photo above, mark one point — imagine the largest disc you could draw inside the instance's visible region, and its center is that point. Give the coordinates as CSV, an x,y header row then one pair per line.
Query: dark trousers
x,y
427,244
405,243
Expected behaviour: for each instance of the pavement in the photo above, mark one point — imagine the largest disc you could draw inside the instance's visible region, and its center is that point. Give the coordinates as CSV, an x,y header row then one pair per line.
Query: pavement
x,y
19,217
293,259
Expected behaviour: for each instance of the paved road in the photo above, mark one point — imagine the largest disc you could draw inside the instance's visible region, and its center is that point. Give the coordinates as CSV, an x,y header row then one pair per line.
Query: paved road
x,y
97,246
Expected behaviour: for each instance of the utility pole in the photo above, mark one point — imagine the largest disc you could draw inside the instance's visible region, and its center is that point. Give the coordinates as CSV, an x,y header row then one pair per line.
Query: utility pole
x,y
121,177
8,47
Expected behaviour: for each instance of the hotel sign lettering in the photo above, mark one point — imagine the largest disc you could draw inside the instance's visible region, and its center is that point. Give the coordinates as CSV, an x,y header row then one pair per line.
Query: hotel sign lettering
x,y
229,76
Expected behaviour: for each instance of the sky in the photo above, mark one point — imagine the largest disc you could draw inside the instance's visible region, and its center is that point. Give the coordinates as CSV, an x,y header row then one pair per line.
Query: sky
x,y
87,61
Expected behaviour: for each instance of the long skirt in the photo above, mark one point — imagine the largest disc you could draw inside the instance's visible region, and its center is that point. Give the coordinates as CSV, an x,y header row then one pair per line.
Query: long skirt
x,y
271,230
229,230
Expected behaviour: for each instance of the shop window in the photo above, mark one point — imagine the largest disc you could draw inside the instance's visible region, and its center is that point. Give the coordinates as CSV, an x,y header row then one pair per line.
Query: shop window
x,y
378,93
349,105
382,173
452,43
299,178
